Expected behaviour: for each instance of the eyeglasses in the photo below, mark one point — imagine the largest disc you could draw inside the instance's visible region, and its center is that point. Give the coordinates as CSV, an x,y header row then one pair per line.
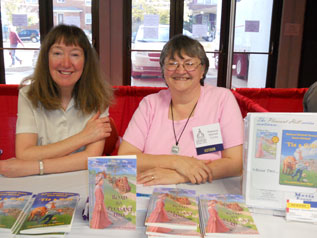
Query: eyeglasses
x,y
188,65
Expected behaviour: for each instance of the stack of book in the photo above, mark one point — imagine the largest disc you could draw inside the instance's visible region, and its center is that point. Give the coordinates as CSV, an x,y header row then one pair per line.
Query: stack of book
x,y
222,215
44,214
174,212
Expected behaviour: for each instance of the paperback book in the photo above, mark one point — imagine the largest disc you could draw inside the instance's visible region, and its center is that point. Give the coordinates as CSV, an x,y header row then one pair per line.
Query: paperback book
x,y
171,209
12,204
280,160
48,213
222,215
112,192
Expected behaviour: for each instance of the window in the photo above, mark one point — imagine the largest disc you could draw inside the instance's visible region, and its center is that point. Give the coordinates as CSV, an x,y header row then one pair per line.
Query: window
x,y
150,31
88,2
88,18
60,1
60,18
19,58
238,59
31,1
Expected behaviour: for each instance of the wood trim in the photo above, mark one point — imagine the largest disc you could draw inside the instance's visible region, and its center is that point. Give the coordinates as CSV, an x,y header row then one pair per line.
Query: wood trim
x,y
274,43
95,24
224,41
45,17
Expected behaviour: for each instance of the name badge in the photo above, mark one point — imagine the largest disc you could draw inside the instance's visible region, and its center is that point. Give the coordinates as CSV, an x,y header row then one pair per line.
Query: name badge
x,y
208,138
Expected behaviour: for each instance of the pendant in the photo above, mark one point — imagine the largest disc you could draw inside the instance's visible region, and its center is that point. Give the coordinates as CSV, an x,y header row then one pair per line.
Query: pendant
x,y
175,149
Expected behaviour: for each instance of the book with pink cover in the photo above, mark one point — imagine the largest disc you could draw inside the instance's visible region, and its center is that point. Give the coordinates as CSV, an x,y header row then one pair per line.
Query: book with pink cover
x,y
222,215
172,208
112,192
168,232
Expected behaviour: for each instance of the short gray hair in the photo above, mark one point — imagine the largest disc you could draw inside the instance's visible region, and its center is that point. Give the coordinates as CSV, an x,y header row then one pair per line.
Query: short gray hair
x,y
181,43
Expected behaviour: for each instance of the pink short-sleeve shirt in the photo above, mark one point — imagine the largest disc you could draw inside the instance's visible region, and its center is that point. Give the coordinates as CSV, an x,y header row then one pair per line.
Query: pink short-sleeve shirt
x,y
151,131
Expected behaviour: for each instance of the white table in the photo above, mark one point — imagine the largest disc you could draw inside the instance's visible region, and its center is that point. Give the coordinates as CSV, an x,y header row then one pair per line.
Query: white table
x,y
268,226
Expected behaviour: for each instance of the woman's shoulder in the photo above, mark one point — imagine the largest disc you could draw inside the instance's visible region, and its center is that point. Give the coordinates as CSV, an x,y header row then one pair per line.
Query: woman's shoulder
x,y
211,90
24,89
159,97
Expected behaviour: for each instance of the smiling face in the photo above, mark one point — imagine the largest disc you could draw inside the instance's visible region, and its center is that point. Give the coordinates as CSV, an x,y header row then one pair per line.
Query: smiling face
x,y
66,64
181,79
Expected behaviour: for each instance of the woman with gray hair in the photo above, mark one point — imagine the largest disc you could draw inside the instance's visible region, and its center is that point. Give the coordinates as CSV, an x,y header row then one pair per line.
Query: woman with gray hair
x,y
190,132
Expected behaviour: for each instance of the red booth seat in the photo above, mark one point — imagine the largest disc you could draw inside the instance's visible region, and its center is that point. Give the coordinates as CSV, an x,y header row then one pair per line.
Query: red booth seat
x,y
127,99
276,99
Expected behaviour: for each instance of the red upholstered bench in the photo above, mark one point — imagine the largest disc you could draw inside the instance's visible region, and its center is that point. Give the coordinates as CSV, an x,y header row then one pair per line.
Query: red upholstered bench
x,y
127,99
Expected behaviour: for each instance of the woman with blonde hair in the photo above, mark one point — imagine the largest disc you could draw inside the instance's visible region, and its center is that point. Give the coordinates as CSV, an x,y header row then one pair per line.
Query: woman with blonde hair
x,y
63,112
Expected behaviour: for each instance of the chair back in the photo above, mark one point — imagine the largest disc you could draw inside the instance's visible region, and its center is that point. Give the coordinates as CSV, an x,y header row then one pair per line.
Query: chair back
x,y
111,144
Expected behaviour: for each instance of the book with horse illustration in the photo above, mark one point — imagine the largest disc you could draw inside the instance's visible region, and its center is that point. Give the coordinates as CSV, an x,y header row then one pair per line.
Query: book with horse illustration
x,y
47,213
12,204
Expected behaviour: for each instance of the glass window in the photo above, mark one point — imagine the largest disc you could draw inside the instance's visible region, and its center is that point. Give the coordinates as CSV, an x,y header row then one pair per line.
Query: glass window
x,y
202,19
88,2
21,38
251,43
78,15
88,18
31,1
150,31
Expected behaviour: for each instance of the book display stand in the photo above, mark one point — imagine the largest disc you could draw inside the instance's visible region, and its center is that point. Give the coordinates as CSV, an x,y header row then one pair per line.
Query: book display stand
x,y
280,160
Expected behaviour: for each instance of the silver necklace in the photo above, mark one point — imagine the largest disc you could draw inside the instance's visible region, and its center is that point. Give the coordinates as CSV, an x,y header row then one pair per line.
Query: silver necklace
x,y
175,148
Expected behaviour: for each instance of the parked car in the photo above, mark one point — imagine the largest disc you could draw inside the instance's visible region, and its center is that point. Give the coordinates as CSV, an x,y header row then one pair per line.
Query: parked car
x,y
146,61
29,35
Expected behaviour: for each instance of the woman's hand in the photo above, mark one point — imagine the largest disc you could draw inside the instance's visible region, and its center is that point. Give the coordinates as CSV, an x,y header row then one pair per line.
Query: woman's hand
x,y
160,176
97,128
195,170
17,168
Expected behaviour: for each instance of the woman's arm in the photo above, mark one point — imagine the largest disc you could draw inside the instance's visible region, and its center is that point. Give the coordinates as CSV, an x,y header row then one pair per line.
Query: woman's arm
x,y
194,170
229,165
73,162
164,167
96,129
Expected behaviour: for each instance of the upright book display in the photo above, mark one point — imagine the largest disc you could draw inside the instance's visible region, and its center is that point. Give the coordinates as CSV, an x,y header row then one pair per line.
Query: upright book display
x,y
112,192
280,160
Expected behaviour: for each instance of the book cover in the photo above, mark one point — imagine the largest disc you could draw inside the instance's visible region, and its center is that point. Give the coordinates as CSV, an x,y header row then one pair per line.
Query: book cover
x,y
47,213
11,206
173,208
279,160
224,215
112,192
299,158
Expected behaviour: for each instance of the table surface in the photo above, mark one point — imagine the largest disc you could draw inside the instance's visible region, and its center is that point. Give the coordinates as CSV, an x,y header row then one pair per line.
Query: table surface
x,y
268,226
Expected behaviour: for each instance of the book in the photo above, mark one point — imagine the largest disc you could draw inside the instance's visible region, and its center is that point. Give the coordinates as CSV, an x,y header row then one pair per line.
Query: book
x,y
12,204
48,213
222,215
169,232
112,192
172,208
279,160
